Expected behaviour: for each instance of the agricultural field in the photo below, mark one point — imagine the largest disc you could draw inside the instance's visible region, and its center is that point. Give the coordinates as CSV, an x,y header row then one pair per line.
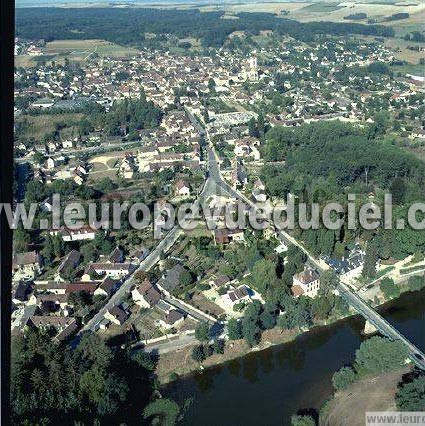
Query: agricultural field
x,y
376,11
322,7
75,50
336,11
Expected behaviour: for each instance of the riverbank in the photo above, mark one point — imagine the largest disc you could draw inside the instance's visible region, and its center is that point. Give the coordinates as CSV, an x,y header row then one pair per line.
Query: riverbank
x,y
372,393
166,367
180,363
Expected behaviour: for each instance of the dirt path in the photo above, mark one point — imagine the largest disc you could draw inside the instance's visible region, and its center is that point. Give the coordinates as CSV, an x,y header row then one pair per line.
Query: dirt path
x,y
348,407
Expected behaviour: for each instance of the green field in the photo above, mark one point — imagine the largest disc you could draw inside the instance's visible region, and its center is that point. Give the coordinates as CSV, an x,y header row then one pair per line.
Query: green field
x,y
76,50
322,7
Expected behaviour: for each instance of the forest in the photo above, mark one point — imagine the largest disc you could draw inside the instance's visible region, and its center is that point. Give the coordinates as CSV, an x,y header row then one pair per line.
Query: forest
x,y
90,384
326,161
128,26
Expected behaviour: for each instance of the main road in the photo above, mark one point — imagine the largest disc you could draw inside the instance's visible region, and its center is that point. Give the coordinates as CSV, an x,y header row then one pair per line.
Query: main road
x,y
163,246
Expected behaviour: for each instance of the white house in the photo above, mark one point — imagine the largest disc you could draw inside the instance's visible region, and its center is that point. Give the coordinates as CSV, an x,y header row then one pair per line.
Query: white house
x,y
306,283
182,188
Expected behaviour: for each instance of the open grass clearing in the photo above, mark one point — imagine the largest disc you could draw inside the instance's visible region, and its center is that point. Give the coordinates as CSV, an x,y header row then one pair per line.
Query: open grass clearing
x,y
40,125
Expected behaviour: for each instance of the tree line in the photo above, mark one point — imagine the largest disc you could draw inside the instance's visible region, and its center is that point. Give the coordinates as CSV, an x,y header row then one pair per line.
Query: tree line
x,y
128,26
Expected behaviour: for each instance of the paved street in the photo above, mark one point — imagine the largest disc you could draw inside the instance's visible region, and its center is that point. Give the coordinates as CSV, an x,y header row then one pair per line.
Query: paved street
x,y
164,245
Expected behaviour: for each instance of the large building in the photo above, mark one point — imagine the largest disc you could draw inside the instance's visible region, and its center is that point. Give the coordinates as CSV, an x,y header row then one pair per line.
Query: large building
x,y
306,283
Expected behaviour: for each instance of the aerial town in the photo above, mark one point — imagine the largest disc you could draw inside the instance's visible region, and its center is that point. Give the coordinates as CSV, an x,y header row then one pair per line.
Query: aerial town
x,y
154,126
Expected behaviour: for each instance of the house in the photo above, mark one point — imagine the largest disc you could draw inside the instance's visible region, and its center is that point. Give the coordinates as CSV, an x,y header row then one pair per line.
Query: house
x,y
417,134
71,261
114,270
259,195
20,292
219,281
171,280
140,254
116,315
63,326
57,300
306,283
224,236
107,287
66,332
182,188
117,256
258,184
67,144
348,267
86,232
50,163
27,264
128,166
145,294
46,205
239,175
56,287
172,318
78,286
104,324
237,295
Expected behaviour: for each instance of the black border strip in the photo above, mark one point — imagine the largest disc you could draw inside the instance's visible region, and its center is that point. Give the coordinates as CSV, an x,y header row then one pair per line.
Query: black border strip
x,y
7,28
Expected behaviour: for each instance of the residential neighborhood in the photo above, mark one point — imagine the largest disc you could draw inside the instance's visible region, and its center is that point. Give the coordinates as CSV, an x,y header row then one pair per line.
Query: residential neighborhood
x,y
203,195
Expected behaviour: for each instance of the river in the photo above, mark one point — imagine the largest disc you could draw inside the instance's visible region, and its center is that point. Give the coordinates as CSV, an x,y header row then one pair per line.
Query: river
x,y
267,387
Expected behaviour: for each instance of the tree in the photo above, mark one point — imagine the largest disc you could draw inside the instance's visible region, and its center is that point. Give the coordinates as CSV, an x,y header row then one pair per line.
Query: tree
x,y
164,411
105,185
263,275
38,158
58,246
48,251
186,278
252,128
218,346
411,396
416,283
211,85
328,281
251,323
198,353
89,252
267,319
234,329
389,288
297,420
321,307
206,116
202,332
251,332
60,380
398,190
369,266
21,239
379,354
344,377
80,300
144,359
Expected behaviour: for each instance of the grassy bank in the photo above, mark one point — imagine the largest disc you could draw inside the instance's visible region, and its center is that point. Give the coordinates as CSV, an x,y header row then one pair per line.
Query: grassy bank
x,y
371,393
